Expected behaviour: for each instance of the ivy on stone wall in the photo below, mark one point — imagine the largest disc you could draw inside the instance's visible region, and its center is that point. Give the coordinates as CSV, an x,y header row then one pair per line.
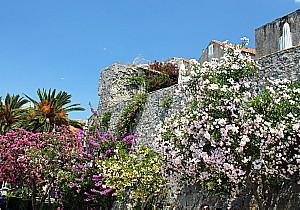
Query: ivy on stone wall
x,y
102,123
166,102
129,114
105,120
136,81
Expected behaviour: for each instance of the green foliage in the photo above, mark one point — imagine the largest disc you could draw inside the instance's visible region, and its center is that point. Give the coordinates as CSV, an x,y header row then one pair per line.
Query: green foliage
x,y
275,107
105,120
135,176
160,75
11,111
137,81
166,102
51,109
129,114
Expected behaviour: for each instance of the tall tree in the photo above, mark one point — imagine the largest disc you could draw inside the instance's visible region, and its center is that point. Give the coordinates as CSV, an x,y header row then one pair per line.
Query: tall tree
x,y
11,111
51,109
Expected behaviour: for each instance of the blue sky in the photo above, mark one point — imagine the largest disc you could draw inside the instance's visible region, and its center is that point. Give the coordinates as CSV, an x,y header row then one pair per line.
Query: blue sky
x,y
64,44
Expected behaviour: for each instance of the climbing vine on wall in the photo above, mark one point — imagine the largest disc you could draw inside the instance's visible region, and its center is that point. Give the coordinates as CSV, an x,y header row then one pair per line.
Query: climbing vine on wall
x,y
105,120
129,114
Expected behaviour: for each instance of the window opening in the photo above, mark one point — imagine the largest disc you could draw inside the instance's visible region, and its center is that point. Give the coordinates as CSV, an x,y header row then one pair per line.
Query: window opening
x,y
285,41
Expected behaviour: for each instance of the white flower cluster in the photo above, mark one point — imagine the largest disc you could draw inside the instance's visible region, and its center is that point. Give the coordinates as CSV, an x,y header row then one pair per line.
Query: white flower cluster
x,y
227,135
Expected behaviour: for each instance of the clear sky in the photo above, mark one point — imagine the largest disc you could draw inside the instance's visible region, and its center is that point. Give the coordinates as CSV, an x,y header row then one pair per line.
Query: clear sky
x,y
63,44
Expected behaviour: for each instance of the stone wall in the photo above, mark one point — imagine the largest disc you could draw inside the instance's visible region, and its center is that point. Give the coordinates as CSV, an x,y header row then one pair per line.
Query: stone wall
x,y
115,95
153,113
113,88
281,65
267,36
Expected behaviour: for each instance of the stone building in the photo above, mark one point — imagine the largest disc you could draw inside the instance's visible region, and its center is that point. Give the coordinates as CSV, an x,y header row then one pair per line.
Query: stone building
x,y
214,51
279,34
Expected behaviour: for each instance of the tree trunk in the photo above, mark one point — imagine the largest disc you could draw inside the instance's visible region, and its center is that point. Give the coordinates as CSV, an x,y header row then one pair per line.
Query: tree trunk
x,y
33,196
254,190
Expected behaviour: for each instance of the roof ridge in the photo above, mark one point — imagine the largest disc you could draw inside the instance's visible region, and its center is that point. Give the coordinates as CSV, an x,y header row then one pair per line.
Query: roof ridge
x,y
245,49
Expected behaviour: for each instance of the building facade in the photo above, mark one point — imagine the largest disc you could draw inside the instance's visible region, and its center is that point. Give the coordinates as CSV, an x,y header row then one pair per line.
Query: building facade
x,y
280,34
214,51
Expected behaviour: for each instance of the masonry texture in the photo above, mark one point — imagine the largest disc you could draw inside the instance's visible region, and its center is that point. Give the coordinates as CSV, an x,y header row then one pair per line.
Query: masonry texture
x,y
284,64
267,36
113,88
281,65
115,94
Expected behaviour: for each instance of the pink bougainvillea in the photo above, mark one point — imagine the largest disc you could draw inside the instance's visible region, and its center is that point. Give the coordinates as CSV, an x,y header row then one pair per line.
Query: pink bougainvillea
x,y
36,160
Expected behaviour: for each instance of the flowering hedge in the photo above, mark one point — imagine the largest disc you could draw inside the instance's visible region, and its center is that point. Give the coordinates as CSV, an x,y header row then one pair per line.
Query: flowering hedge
x,y
231,136
109,169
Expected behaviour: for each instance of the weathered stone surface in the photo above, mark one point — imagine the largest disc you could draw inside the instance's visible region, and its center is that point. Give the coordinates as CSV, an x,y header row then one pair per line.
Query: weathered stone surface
x,y
154,113
282,65
267,36
113,88
116,95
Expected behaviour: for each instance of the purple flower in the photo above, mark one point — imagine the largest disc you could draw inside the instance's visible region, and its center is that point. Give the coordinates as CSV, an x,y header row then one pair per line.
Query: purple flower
x,y
104,140
96,144
98,184
105,191
109,151
93,190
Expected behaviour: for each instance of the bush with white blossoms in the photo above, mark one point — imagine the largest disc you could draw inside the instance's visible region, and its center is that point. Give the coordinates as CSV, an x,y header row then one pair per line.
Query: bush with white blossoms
x,y
231,136
135,177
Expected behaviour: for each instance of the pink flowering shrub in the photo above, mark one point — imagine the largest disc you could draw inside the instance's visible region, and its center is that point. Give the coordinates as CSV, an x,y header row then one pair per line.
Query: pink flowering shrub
x,y
168,77
36,160
231,136
69,164
160,75
85,183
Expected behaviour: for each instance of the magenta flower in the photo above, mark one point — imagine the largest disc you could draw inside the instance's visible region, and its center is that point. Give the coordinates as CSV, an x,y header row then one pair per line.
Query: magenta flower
x,y
105,191
95,144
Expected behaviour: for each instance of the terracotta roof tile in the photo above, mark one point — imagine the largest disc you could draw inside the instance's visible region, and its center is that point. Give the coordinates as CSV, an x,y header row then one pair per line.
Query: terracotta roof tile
x,y
187,60
245,49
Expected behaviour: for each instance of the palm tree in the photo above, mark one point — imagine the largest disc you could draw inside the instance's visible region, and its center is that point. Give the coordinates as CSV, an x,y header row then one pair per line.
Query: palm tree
x,y
11,111
51,109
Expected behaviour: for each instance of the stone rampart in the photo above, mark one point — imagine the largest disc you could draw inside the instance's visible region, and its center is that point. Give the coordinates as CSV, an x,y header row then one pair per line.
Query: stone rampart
x,y
284,64
267,37
280,65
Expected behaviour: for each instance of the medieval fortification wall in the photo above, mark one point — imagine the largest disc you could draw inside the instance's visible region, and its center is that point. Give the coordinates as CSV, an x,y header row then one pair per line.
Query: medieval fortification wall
x,y
275,63
116,94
